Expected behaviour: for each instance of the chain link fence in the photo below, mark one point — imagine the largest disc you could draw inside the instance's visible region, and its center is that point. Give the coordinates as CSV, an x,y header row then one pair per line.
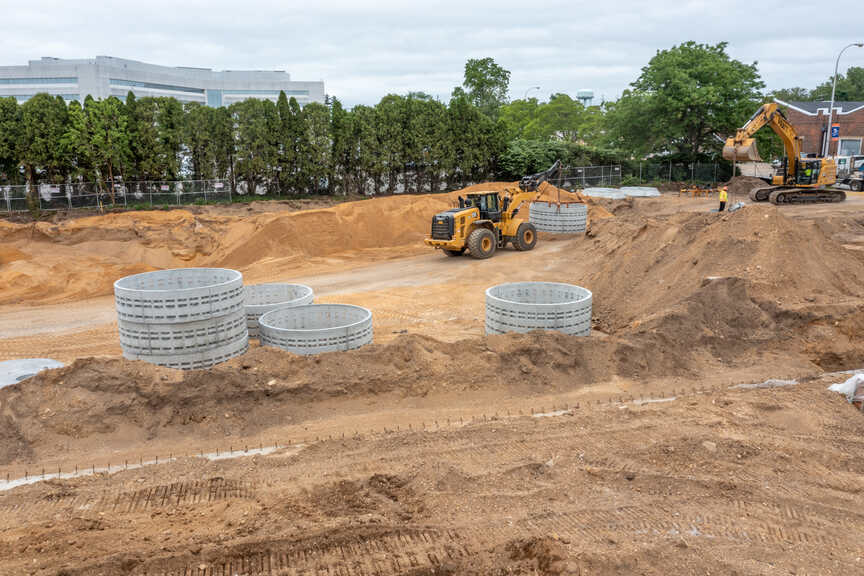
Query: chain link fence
x,y
148,194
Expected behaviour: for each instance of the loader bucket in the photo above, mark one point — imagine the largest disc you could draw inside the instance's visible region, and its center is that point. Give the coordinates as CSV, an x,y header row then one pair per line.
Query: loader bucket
x,y
741,151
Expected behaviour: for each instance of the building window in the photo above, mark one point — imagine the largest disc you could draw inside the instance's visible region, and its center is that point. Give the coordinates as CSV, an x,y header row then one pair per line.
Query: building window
x,y
154,86
67,97
65,80
269,92
849,147
214,98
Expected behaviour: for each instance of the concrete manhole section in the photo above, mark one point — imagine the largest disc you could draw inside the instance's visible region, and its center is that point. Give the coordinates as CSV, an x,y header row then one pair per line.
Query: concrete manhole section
x,y
527,306
316,328
262,298
188,318
565,218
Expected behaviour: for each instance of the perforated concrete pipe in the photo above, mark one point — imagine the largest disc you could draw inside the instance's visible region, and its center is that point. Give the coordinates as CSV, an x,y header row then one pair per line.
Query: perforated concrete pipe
x,y
316,328
527,306
188,318
565,218
262,298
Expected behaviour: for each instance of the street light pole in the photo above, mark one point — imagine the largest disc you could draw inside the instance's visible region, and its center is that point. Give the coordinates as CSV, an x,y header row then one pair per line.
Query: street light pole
x,y
827,147
525,97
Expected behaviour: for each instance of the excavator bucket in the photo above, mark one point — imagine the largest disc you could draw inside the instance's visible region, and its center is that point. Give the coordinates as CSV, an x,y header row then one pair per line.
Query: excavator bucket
x,y
741,151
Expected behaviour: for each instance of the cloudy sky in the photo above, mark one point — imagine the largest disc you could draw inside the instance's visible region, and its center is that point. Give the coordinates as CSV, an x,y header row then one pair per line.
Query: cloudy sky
x,y
364,50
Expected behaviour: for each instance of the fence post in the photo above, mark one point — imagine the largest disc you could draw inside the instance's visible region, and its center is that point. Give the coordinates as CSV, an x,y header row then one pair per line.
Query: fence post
x,y
69,195
205,192
149,192
670,171
715,174
692,171
640,172
229,193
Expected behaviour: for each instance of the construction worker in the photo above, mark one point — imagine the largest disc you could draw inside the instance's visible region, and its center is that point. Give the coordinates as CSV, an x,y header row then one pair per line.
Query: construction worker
x,y
724,190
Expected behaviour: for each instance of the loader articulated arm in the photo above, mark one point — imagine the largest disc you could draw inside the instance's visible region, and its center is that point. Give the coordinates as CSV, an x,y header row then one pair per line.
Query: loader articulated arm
x,y
528,189
742,146
530,183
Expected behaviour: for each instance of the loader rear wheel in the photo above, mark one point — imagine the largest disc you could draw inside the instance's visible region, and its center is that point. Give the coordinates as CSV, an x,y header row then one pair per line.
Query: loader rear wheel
x,y
860,186
526,237
453,253
481,243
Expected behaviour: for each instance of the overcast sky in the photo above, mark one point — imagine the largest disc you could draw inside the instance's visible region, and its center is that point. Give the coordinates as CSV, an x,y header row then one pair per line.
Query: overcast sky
x,y
363,50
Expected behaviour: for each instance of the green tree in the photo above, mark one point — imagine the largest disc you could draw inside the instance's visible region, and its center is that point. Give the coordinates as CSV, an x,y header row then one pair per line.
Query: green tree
x,y
43,123
486,84
10,135
198,139
317,148
254,151
850,87
684,96
796,94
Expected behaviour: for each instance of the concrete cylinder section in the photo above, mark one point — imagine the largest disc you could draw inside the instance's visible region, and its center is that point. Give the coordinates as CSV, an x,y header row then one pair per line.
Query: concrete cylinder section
x,y
188,318
262,298
527,306
565,218
316,328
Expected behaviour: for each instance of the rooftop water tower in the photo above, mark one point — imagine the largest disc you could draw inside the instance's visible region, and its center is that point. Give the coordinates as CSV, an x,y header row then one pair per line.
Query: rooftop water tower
x,y
585,96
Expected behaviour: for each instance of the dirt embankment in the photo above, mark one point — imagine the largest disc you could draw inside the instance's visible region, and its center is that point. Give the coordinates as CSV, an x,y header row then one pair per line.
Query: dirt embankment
x,y
44,262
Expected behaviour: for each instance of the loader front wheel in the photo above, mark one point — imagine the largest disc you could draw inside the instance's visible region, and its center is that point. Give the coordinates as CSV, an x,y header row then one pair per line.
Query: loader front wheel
x,y
481,243
526,237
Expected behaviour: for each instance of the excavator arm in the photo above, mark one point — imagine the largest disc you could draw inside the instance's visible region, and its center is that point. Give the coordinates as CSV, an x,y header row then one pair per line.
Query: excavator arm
x,y
742,146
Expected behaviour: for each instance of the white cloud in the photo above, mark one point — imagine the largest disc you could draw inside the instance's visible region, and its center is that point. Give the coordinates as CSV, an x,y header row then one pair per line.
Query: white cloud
x,y
364,50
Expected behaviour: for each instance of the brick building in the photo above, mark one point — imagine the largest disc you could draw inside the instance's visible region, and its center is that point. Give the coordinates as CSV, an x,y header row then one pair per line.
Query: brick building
x,y
811,119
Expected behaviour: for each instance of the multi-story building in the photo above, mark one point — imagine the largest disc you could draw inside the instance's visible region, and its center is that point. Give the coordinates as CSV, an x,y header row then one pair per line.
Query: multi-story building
x,y
105,76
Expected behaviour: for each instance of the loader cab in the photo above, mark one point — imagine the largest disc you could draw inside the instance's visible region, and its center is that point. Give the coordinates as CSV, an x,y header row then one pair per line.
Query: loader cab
x,y
488,203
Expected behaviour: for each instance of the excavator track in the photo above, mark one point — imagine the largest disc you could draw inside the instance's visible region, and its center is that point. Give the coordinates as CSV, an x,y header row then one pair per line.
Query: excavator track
x,y
762,194
780,196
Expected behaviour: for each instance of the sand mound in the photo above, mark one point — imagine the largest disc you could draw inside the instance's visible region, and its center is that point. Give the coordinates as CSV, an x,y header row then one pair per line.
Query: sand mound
x,y
96,397
741,185
647,265
79,258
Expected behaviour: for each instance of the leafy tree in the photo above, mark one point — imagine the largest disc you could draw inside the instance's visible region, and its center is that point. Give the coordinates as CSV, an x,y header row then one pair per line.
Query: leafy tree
x,y
486,84
317,147
254,148
850,87
10,134
684,96
43,123
198,139
796,94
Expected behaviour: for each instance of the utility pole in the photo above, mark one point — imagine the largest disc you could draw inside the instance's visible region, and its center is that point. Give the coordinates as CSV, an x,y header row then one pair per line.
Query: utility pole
x,y
827,145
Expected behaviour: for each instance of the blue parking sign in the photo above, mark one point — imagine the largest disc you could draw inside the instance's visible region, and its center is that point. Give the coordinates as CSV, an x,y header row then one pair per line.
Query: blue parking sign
x,y
835,131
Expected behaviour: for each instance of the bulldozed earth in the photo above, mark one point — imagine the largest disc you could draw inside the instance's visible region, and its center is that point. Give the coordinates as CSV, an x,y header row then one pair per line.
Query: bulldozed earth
x,y
691,433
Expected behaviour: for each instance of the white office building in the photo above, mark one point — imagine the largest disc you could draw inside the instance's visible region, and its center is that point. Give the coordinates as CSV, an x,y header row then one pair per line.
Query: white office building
x,y
105,76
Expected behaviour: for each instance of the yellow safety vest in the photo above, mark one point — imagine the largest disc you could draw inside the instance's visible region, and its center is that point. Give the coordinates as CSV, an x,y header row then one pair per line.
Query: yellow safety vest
x,y
722,195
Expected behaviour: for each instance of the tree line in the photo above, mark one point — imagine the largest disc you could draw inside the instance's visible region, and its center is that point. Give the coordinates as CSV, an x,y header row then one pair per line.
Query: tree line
x,y
685,101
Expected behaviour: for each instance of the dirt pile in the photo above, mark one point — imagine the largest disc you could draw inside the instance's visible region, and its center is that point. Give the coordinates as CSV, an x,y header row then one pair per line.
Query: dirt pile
x,y
115,398
73,259
643,266
740,186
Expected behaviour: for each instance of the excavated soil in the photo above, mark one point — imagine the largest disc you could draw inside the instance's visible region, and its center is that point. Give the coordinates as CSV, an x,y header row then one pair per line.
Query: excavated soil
x,y
419,454
740,186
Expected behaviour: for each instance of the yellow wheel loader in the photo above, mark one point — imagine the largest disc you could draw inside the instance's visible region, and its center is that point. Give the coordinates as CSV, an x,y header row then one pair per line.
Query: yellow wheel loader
x,y
487,221
800,180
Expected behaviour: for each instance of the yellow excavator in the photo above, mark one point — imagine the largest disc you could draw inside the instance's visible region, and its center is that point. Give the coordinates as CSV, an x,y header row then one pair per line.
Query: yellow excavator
x,y
799,180
486,221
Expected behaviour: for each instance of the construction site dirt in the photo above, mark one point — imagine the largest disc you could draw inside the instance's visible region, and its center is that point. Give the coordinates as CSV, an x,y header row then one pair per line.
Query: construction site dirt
x,y
650,447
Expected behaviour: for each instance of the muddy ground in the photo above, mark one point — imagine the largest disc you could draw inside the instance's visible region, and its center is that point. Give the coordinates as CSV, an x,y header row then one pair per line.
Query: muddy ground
x,y
420,454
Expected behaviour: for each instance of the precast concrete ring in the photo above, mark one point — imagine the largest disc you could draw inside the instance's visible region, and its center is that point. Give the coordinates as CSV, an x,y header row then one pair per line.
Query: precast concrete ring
x,y
179,295
188,318
316,328
526,306
566,218
262,298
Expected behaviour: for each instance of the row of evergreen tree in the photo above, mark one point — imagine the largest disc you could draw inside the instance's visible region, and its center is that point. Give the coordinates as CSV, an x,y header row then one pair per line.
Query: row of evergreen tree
x,y
412,142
